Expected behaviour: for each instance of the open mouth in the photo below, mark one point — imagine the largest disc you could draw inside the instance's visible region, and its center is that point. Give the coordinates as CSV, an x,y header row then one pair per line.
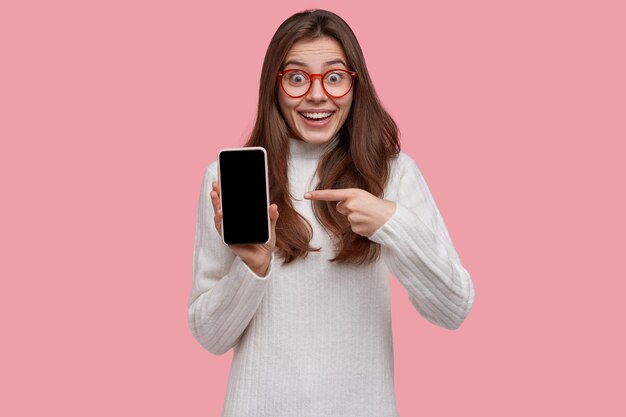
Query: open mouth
x,y
316,117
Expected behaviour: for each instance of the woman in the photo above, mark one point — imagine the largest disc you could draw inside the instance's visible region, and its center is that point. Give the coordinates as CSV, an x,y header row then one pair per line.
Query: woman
x,y
308,313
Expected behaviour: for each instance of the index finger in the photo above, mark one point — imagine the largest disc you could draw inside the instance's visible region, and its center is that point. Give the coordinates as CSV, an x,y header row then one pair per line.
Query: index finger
x,y
330,195
215,201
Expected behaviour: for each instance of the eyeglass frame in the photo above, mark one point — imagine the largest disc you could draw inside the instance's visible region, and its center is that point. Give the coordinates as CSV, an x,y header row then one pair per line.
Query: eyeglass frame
x,y
280,75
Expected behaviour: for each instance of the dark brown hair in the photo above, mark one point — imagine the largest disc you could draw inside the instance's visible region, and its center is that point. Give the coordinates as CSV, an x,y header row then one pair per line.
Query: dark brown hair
x,y
368,141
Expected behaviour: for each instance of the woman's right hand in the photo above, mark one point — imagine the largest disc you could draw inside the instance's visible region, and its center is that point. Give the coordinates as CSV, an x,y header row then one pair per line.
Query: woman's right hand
x,y
257,257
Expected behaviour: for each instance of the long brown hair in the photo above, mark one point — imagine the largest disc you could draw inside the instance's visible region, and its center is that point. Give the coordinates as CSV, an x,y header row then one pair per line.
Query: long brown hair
x,y
368,141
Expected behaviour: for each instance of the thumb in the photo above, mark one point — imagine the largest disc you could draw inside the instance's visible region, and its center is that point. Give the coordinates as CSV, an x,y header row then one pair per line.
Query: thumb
x,y
273,216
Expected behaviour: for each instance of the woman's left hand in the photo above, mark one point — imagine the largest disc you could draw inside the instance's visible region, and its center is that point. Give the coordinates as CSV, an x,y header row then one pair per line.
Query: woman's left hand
x,y
365,212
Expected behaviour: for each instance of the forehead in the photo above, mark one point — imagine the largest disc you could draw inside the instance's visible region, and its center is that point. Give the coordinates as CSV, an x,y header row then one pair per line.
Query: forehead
x,y
316,51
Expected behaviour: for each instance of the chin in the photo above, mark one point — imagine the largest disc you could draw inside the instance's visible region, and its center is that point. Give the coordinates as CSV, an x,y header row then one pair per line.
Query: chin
x,y
317,138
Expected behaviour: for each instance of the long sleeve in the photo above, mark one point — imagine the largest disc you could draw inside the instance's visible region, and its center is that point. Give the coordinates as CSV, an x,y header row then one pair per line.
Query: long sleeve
x,y
419,252
225,293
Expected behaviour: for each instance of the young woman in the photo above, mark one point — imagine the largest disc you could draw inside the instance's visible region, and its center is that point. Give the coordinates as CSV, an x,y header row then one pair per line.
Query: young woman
x,y
308,314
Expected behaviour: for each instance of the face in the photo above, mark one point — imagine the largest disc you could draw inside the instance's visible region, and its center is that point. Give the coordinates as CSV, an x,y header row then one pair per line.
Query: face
x,y
315,56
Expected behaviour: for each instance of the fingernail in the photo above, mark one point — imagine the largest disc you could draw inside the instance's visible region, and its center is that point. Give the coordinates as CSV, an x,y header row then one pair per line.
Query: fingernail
x,y
307,195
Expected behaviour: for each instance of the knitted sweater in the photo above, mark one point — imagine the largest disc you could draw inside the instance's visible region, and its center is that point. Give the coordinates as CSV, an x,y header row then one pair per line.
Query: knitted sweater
x,y
313,338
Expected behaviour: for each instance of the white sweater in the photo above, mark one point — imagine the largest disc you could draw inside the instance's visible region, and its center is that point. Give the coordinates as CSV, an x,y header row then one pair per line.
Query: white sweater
x,y
313,338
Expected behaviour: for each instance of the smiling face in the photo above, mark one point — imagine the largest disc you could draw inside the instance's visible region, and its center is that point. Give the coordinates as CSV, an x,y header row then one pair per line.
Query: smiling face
x,y
315,117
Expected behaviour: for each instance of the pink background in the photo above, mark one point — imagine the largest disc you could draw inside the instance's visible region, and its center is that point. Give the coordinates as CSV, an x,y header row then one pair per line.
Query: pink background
x,y
111,110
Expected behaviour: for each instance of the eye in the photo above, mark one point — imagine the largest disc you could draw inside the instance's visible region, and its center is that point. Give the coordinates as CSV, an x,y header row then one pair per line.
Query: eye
x,y
297,77
335,77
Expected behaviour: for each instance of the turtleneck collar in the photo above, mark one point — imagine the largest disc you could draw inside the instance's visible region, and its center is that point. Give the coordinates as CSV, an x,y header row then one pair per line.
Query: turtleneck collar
x,y
304,150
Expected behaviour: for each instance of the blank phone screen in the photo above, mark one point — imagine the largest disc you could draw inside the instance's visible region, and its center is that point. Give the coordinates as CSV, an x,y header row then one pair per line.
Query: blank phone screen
x,y
243,191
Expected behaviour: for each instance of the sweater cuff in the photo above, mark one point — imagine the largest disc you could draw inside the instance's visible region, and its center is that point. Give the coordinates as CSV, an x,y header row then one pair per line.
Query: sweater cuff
x,y
403,227
388,232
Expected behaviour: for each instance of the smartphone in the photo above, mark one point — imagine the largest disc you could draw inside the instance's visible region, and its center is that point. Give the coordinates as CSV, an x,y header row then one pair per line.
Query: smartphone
x,y
244,195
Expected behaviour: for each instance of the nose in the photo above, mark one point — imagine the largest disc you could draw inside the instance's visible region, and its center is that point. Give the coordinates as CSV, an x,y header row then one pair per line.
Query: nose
x,y
316,93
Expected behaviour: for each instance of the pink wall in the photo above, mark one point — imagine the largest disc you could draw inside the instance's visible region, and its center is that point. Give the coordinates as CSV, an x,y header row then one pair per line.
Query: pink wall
x,y
111,110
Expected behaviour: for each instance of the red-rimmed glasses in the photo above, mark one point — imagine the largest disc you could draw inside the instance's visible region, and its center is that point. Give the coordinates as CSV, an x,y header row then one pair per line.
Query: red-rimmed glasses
x,y
335,82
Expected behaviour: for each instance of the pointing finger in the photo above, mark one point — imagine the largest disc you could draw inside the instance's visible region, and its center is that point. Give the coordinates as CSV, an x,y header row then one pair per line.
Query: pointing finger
x,y
330,195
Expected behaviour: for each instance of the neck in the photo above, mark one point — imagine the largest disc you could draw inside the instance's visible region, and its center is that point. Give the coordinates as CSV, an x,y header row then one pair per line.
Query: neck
x,y
302,149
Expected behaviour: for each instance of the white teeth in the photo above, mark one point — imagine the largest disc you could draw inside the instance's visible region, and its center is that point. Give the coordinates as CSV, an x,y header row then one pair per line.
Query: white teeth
x,y
317,115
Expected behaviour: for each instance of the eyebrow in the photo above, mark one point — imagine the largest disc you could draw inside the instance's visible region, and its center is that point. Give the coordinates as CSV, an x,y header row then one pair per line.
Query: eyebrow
x,y
327,63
